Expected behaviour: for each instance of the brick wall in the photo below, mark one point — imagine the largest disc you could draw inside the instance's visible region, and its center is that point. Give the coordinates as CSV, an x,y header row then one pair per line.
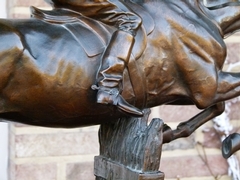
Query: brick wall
x,y
67,154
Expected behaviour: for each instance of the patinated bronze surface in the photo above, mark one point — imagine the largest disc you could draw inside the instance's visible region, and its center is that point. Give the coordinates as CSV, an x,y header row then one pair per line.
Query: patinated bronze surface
x,y
173,53
115,58
50,62
130,149
230,145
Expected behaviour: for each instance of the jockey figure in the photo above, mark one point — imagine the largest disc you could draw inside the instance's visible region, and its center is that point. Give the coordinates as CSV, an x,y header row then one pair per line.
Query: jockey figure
x,y
116,55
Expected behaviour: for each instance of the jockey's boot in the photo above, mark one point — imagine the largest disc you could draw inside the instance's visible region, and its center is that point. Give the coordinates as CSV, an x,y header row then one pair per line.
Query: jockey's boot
x,y
110,75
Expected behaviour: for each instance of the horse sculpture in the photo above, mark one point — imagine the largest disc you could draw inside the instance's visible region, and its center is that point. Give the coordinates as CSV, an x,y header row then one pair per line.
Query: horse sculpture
x,y
48,65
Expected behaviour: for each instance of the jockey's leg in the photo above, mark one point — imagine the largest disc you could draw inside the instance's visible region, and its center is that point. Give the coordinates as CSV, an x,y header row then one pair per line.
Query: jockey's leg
x,y
110,74
116,56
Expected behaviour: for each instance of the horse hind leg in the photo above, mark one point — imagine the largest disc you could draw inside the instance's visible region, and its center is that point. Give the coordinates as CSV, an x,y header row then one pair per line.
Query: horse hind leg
x,y
186,128
228,86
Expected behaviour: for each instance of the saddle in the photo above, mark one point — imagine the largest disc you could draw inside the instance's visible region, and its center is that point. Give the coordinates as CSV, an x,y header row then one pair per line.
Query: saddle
x,y
92,35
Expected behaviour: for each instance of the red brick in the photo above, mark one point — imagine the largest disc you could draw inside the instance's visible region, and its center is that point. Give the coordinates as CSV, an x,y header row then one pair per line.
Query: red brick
x,y
61,144
170,113
11,170
182,143
36,172
233,55
80,171
234,113
28,3
20,16
211,139
193,166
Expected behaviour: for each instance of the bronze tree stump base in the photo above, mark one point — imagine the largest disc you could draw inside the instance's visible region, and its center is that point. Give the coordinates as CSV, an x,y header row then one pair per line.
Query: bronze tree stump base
x,y
130,149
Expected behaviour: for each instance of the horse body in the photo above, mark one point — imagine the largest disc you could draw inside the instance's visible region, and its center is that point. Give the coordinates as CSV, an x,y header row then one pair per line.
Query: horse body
x,y
47,75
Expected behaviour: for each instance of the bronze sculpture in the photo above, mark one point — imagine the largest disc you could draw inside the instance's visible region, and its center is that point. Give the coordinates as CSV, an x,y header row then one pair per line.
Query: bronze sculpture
x,y
50,62
179,62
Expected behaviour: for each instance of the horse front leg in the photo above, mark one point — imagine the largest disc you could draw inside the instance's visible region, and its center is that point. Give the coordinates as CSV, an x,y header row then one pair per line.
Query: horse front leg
x,y
186,128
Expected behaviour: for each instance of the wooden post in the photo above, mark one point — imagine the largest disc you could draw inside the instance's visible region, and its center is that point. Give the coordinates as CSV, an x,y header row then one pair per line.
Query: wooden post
x,y
130,149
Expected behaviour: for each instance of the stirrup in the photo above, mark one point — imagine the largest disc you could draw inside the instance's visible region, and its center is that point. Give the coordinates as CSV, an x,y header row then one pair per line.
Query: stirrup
x,y
112,97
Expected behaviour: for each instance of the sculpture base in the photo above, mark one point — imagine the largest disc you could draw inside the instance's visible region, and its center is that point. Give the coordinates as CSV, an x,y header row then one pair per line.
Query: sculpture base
x,y
106,169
